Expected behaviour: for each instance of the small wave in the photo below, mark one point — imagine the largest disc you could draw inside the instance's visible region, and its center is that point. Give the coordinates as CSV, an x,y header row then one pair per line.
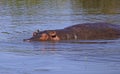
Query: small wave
x,y
91,41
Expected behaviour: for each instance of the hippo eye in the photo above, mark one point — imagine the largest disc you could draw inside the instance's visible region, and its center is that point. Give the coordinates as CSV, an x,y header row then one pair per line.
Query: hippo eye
x,y
53,36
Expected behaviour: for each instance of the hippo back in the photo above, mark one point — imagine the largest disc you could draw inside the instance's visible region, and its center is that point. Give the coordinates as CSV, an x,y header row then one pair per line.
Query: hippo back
x,y
94,31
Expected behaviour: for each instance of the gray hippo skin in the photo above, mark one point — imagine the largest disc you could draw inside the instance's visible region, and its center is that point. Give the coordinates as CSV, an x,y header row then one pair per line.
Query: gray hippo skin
x,y
85,31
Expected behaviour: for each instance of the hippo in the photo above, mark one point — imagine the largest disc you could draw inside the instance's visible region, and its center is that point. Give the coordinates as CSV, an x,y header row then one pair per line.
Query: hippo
x,y
85,31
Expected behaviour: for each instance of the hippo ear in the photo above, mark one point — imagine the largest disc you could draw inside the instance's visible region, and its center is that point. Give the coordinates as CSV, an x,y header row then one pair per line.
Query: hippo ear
x,y
37,31
52,33
34,33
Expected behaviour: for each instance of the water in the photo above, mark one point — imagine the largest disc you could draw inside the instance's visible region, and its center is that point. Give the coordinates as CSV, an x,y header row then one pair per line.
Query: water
x,y
19,18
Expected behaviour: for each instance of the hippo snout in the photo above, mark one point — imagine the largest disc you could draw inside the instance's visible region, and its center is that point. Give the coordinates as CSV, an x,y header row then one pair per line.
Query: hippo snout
x,y
34,38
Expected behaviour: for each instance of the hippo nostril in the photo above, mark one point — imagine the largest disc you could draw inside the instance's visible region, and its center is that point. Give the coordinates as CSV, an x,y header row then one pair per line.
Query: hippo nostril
x,y
27,40
24,39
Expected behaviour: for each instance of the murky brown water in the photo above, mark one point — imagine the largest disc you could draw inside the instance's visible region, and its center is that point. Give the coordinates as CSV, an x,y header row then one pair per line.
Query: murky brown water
x,y
19,18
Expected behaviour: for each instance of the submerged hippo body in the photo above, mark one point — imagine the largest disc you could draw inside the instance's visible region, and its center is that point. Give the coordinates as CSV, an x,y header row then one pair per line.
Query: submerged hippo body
x,y
86,31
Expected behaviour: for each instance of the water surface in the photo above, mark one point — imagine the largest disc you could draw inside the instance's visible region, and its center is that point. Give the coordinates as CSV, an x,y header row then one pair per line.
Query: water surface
x,y
19,18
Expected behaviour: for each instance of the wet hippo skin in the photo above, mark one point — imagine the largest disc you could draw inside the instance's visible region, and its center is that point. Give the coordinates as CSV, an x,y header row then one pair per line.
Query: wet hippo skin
x,y
85,31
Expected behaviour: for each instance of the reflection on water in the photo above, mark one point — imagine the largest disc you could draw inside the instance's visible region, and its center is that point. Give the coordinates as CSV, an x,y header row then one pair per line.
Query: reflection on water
x,y
39,57
19,18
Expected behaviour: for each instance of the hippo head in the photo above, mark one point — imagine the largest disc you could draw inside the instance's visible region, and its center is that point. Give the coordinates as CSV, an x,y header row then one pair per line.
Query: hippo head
x,y
47,35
